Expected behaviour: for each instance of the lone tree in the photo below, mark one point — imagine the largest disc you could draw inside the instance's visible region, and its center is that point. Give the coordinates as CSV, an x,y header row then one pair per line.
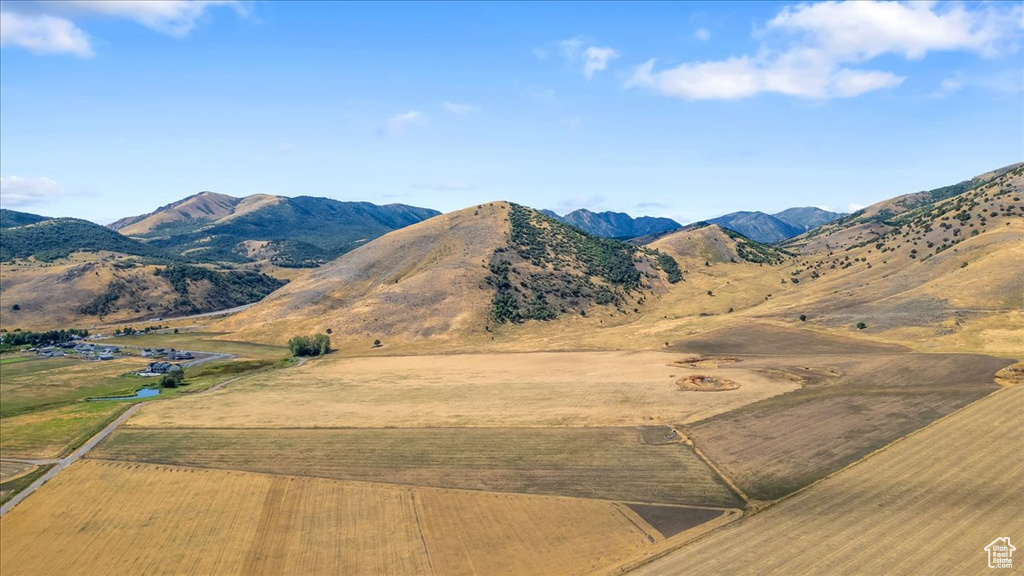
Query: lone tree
x,y
861,325
315,345
15,307
173,379
376,344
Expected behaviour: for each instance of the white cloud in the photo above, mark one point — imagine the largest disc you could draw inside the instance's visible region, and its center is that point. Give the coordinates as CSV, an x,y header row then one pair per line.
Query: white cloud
x,y
853,207
949,86
596,59
399,122
702,34
580,51
460,108
17,191
822,41
53,27
40,34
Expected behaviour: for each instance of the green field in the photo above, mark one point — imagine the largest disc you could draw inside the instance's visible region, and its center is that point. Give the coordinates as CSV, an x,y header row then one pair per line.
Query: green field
x,y
606,463
47,382
54,432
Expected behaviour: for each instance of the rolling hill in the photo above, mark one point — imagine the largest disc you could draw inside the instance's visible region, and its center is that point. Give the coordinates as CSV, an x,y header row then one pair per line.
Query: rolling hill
x,y
54,238
86,289
11,218
932,264
614,224
466,272
295,232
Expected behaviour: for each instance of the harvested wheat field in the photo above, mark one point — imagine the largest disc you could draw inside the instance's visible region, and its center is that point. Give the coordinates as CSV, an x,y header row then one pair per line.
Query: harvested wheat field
x,y
532,389
926,505
773,447
102,517
10,470
606,463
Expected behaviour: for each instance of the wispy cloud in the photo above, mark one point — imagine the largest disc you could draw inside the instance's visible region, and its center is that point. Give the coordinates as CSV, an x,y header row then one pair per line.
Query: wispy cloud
x,y
460,108
580,51
16,191
43,35
702,34
822,41
398,123
53,27
949,86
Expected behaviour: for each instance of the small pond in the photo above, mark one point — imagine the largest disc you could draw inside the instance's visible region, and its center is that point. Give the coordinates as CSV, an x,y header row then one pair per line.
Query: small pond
x,y
143,393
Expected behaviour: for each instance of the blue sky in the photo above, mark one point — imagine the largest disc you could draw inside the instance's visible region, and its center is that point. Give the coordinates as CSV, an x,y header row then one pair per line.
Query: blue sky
x,y
692,110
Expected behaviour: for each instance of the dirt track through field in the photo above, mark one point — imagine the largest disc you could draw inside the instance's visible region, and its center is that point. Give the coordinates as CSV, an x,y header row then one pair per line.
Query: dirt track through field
x,y
928,504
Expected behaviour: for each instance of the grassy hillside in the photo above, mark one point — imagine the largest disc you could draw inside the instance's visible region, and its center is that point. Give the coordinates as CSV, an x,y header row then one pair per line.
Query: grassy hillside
x,y
932,269
462,273
88,288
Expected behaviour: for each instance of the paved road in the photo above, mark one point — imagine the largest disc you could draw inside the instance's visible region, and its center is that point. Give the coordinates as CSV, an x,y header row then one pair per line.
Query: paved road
x,y
224,312
85,448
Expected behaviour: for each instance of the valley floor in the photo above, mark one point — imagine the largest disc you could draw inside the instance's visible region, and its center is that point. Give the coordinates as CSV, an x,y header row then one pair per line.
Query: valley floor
x,y
550,463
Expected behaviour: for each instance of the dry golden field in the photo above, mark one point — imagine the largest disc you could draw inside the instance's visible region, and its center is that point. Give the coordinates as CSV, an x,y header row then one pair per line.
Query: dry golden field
x,y
928,504
101,517
540,389
605,463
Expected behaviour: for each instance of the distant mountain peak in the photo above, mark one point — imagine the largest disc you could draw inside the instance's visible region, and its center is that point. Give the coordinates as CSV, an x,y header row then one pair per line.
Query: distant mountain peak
x,y
614,224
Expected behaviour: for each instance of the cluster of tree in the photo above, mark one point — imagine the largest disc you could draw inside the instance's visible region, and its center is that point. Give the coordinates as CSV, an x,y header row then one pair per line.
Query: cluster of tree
x,y
755,252
315,345
55,238
232,288
22,338
129,330
173,379
670,267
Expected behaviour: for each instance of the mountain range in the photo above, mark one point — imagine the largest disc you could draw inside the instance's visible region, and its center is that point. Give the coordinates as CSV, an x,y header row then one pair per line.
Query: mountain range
x,y
614,224
772,228
759,226
501,264
296,232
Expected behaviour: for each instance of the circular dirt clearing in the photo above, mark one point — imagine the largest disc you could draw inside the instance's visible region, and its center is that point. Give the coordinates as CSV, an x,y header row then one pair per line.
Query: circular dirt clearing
x,y
706,384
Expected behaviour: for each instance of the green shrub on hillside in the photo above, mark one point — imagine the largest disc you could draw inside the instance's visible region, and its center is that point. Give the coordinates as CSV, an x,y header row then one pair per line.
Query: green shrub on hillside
x,y
314,345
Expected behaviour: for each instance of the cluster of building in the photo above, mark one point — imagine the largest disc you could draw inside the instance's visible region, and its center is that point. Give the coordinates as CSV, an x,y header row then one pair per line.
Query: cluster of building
x,y
161,367
168,353
84,349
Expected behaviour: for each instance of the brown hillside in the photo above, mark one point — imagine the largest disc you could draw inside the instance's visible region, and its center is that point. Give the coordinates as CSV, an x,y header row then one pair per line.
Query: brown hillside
x,y
205,206
935,270
89,289
423,280
467,273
